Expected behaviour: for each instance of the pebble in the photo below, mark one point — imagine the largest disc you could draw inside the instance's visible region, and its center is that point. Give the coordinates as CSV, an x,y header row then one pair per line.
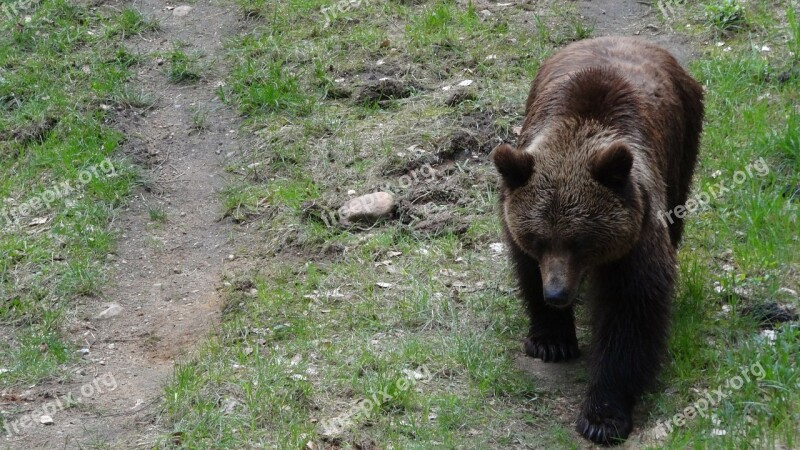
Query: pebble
x,y
112,310
182,11
367,208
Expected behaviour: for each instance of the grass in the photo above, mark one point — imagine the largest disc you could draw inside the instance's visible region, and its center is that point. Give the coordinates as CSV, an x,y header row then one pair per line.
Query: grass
x,y
200,119
183,67
316,341
725,15
62,74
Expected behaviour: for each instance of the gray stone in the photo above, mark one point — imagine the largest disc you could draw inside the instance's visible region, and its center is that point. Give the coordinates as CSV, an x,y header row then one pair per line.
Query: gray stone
x,y
182,10
367,208
112,310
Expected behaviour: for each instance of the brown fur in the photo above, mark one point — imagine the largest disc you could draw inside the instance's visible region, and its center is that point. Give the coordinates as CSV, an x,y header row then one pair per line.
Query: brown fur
x,y
609,141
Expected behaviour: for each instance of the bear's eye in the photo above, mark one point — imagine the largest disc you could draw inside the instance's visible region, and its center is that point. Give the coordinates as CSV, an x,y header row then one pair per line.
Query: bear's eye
x,y
580,244
536,243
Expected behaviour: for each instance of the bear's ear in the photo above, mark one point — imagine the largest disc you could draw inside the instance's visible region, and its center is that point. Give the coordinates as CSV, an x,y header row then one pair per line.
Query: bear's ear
x,y
515,167
611,166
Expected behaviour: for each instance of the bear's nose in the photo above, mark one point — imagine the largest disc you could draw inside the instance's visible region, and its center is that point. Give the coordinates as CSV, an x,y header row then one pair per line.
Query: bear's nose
x,y
556,296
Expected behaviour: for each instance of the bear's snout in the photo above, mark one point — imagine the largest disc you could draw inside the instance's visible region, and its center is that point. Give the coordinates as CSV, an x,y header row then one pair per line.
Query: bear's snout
x,y
560,280
557,296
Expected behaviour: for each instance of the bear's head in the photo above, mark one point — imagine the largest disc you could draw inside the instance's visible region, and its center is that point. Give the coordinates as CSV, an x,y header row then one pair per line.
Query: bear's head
x,y
571,201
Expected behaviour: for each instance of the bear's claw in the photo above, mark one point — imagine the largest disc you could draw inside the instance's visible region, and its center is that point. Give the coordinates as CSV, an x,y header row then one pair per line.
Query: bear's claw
x,y
604,430
552,349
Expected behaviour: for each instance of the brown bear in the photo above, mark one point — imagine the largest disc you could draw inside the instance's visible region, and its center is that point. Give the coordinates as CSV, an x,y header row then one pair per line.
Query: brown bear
x,y
608,144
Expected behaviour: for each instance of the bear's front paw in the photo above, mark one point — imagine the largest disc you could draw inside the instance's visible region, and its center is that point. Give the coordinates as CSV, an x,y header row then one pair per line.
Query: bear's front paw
x,y
604,426
552,349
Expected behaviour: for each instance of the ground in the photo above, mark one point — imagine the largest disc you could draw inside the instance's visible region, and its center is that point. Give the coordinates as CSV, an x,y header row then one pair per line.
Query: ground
x,y
207,296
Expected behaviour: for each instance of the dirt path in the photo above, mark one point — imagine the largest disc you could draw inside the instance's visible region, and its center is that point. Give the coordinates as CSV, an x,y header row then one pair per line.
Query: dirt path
x,y
637,18
164,275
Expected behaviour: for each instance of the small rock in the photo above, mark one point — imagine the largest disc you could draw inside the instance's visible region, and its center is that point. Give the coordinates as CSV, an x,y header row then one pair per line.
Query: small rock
x,y
497,247
769,335
182,11
367,208
46,420
296,359
229,406
112,310
786,290
413,374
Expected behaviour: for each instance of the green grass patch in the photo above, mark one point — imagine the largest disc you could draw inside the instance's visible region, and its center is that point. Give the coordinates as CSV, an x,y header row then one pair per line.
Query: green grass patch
x,y
62,177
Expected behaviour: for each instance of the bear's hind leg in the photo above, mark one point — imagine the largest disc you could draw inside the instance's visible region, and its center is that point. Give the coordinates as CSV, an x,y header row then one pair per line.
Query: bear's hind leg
x,y
552,330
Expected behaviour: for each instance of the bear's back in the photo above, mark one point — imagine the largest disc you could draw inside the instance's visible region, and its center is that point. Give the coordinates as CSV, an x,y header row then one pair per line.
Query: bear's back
x,y
649,69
